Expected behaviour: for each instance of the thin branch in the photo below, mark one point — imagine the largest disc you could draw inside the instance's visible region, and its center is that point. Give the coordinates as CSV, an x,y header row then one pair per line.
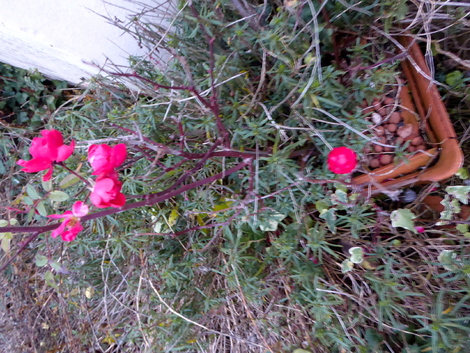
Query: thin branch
x,y
149,200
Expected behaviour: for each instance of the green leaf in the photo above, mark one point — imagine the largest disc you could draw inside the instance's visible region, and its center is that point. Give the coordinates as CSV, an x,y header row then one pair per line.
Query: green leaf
x,y
357,254
451,207
346,266
32,193
330,216
49,279
321,205
462,228
454,78
270,221
10,222
69,180
58,196
6,237
403,218
27,200
462,173
30,215
342,196
447,259
459,192
59,268
41,209
41,260
157,227
46,185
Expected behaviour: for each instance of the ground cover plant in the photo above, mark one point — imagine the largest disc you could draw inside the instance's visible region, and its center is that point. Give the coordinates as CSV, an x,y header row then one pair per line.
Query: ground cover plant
x,y
208,213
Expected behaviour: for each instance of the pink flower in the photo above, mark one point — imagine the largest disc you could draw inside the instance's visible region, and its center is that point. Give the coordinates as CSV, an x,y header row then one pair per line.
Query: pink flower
x,y
342,160
420,229
71,225
107,192
104,159
46,150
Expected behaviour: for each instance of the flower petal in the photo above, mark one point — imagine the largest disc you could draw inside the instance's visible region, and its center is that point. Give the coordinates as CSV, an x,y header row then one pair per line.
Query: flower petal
x,y
119,155
66,214
118,201
71,234
79,209
64,152
34,165
48,175
53,137
60,229
98,157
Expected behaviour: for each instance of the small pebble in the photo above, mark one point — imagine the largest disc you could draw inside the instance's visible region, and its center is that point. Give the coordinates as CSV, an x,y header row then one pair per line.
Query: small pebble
x,y
367,110
376,104
378,148
405,131
374,163
421,148
376,118
389,100
418,140
380,130
386,159
392,127
394,118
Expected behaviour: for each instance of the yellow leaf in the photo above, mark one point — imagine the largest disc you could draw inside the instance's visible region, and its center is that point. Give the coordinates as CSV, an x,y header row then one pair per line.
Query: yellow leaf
x,y
201,222
315,101
108,340
222,206
89,292
367,265
173,217
448,310
73,292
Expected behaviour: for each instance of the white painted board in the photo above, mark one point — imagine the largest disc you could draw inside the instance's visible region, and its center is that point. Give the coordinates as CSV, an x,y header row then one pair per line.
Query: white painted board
x,y
71,39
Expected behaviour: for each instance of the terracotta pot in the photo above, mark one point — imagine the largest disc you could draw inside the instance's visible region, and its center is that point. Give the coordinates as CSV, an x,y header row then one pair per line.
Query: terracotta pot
x,y
420,96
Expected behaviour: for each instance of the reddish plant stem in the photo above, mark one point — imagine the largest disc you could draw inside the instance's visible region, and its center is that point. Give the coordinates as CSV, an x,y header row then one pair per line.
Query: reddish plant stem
x,y
189,155
186,174
74,173
213,100
212,105
164,148
326,181
149,200
157,86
